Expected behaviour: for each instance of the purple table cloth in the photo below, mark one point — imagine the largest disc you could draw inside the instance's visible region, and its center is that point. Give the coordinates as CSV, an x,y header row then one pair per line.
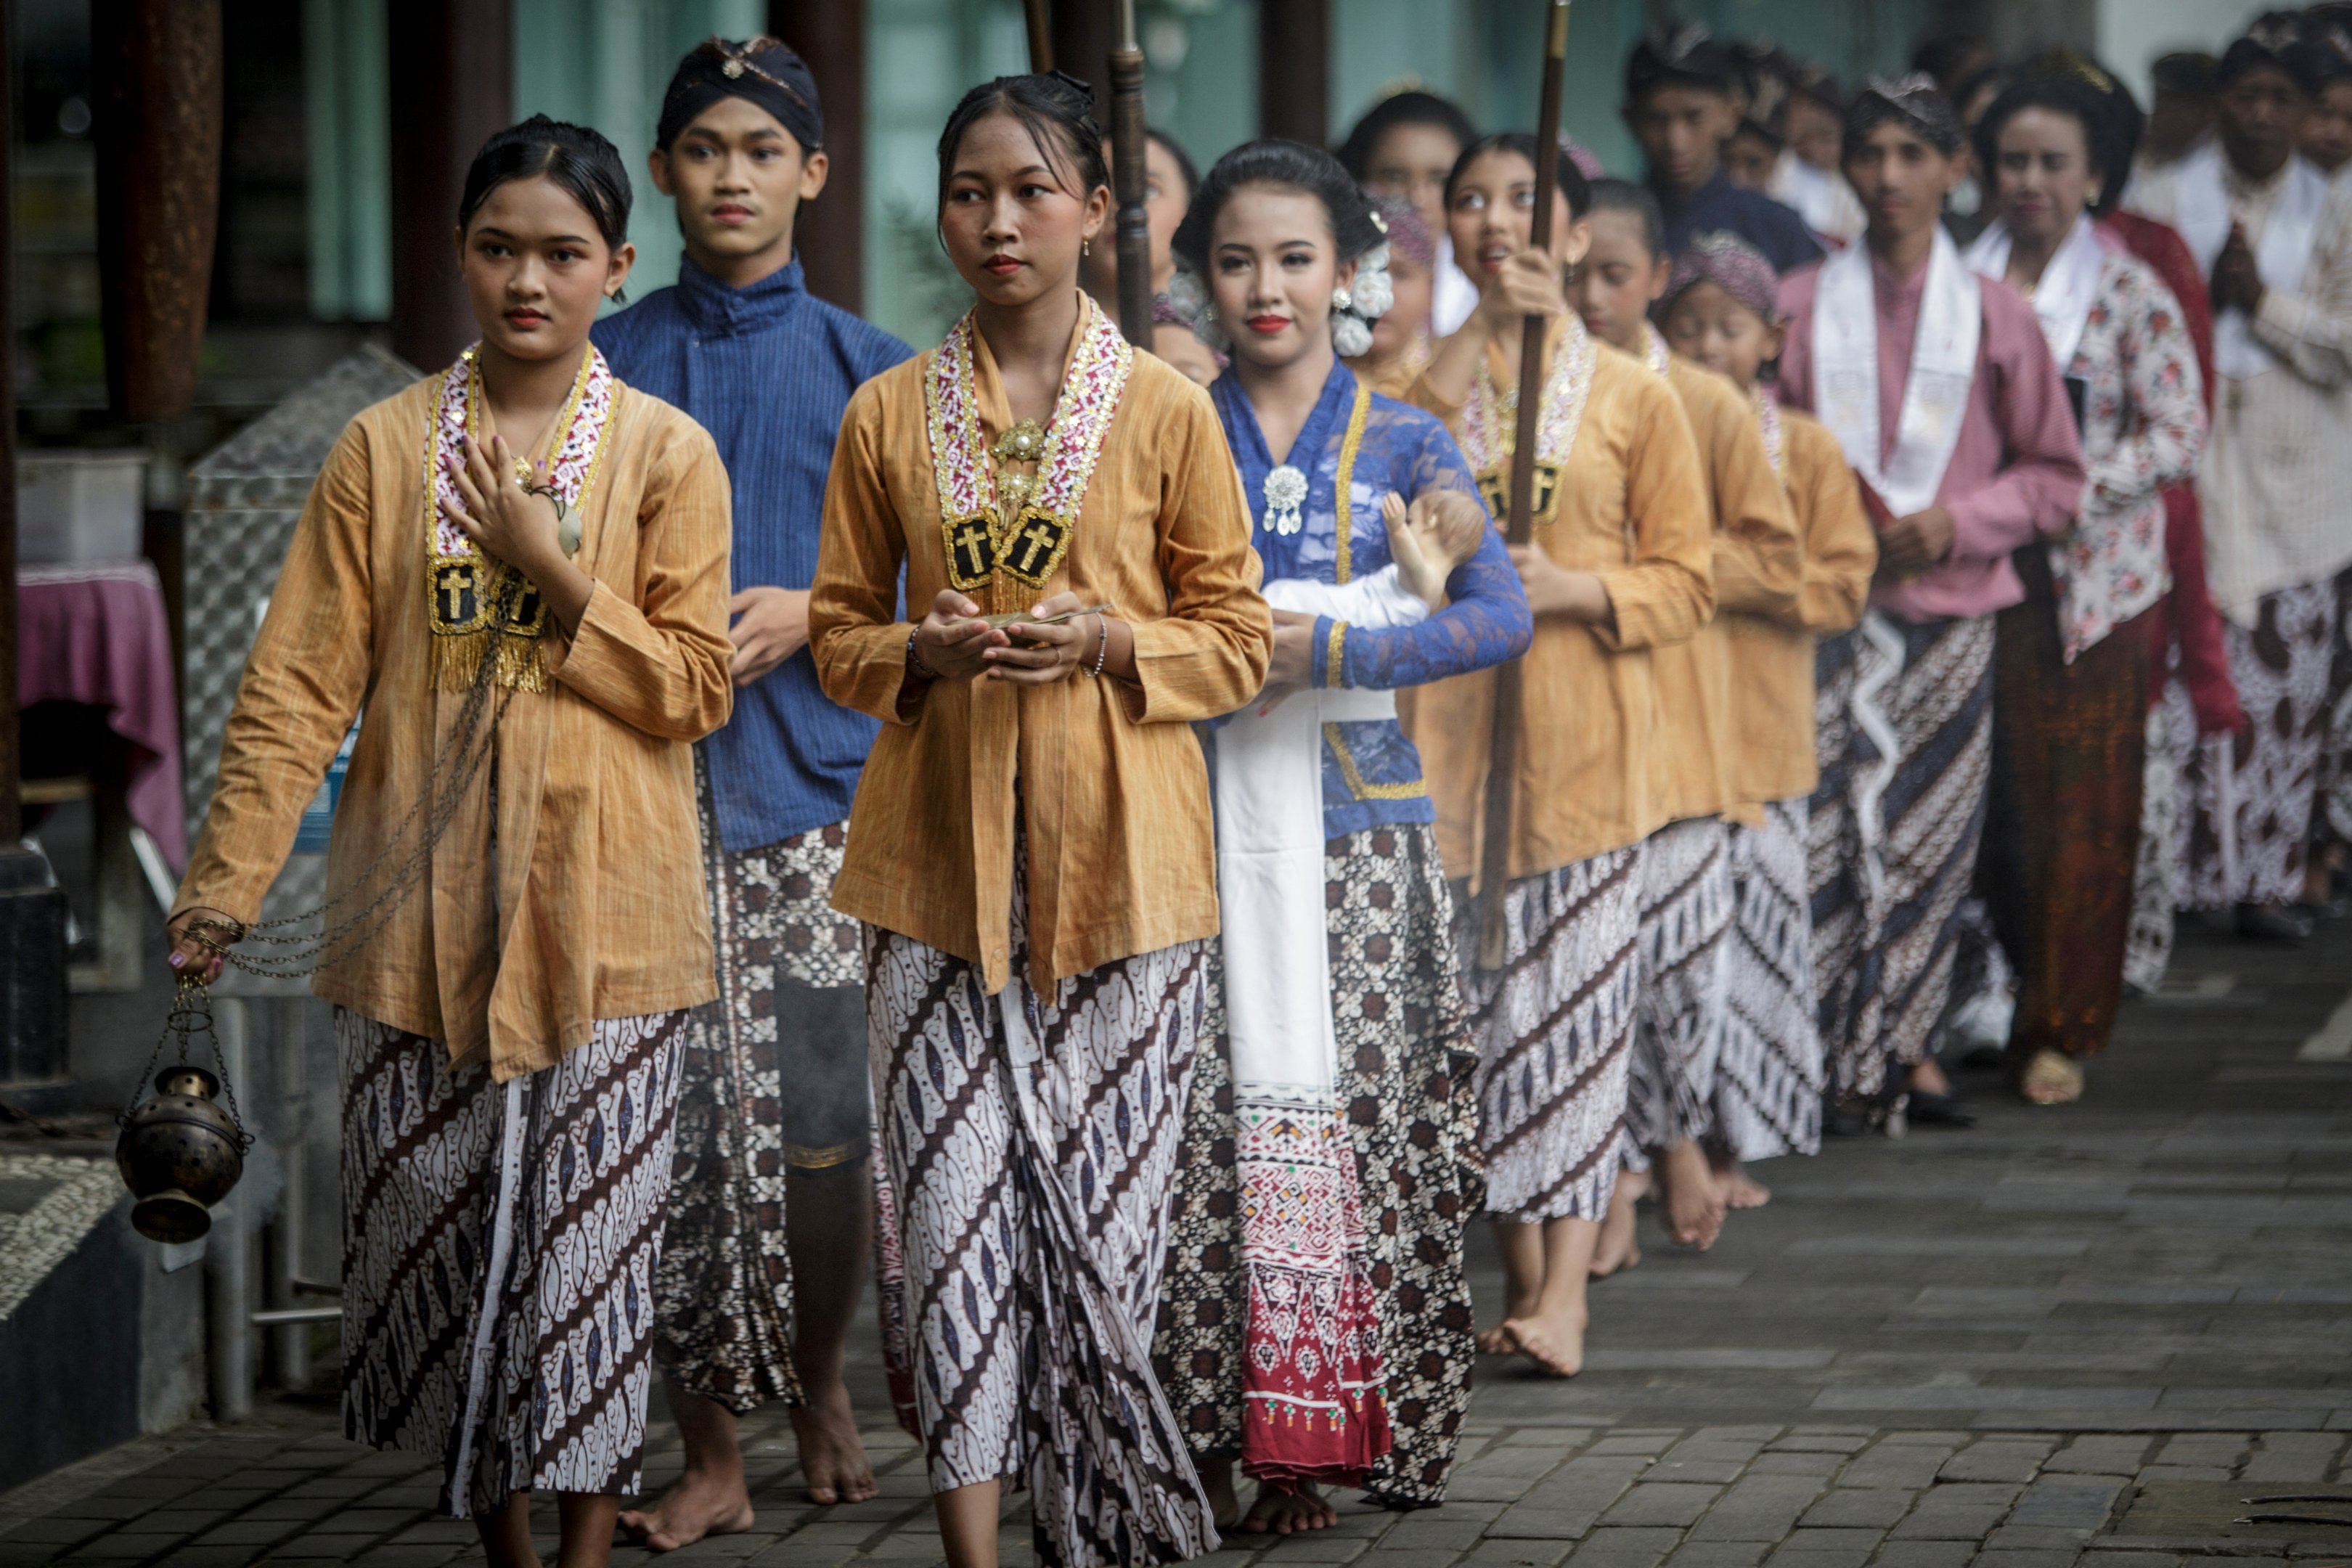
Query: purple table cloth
x,y
96,632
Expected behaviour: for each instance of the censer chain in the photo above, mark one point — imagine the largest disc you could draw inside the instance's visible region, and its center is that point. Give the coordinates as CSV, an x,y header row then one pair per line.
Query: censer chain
x,y
445,788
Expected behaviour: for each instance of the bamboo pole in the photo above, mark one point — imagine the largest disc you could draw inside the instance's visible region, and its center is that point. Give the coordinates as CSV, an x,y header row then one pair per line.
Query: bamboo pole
x,y
1503,760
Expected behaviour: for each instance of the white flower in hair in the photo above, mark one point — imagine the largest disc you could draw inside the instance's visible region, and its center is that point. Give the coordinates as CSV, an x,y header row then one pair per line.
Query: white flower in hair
x,y
1374,292
1350,334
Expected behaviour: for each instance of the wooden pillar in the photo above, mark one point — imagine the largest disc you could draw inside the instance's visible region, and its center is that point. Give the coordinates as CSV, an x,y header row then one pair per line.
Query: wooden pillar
x,y
452,71
1294,69
830,235
158,64
1084,36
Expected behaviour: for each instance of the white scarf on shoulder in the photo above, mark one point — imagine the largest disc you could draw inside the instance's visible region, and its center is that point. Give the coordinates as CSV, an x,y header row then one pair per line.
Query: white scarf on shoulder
x,y
2282,252
1935,397
2061,301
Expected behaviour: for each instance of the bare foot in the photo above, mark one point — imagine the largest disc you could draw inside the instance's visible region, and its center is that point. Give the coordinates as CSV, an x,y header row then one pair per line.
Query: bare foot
x,y
1694,1209
1739,1190
1619,1247
1496,1340
1928,1077
1217,1480
1554,1343
2050,1079
834,1465
702,1503
1287,1512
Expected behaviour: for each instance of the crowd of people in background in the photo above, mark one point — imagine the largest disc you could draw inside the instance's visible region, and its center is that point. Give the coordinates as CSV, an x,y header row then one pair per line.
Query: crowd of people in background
x,y
1019,808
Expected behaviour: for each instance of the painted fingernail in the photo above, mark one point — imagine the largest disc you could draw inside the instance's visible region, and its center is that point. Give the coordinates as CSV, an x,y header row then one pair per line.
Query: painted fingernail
x,y
178,959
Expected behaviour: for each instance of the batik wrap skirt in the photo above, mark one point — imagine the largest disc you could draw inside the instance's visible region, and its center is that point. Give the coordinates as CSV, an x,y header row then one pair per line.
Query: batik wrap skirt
x,y
1028,1162
501,1243
1555,1030
791,1009
2253,799
1768,1081
1896,846
1406,1064
2062,840
1688,906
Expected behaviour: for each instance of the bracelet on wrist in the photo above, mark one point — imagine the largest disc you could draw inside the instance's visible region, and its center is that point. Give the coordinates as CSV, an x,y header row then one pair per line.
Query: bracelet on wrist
x,y
1102,649
914,664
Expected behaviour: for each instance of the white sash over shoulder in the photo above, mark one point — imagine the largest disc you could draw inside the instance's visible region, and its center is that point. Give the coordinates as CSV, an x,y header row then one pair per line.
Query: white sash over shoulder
x,y
2061,301
2282,252
1934,399
1270,855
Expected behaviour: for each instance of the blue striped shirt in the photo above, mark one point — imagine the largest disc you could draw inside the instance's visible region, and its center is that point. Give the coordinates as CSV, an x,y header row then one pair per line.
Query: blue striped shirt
x,y
768,371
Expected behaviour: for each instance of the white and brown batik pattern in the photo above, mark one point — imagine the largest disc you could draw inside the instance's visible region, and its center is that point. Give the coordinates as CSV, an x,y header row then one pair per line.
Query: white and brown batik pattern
x,y
726,1286
1768,1081
1884,944
1687,905
2254,799
1406,1061
2156,874
499,1248
1555,1028
1030,1146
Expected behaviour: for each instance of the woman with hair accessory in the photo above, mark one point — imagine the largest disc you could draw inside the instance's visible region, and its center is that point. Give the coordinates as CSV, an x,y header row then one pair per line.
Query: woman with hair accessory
x,y
2071,660
1618,566
2274,240
1403,147
1341,1085
1941,391
1030,847
555,564
1722,310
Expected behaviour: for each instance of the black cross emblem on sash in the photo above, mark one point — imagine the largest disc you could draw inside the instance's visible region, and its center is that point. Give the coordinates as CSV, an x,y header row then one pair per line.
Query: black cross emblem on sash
x,y
971,552
455,588
1038,542
1493,488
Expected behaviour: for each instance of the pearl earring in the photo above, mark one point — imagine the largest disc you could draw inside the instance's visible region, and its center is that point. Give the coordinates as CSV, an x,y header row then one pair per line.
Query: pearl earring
x,y
1085,248
1342,298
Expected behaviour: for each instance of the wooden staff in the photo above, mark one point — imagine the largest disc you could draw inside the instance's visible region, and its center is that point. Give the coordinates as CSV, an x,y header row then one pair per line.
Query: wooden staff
x,y
1041,36
1502,768
1127,140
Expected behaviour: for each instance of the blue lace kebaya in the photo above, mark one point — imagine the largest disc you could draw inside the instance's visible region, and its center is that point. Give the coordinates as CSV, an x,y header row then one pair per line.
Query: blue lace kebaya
x,y
1372,775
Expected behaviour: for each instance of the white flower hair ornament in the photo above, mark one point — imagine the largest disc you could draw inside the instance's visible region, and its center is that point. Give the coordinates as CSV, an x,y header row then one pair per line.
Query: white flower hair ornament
x,y
1188,294
1354,309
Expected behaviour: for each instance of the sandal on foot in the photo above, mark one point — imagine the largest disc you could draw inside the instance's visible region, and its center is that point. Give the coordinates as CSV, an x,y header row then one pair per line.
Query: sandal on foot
x,y
1928,1108
2051,1078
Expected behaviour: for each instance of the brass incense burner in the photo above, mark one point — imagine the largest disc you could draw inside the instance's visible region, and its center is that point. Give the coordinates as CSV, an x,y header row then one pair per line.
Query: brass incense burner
x,y
183,1150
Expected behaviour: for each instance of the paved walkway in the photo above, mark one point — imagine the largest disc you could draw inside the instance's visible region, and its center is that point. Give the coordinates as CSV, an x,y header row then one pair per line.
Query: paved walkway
x,y
2081,1337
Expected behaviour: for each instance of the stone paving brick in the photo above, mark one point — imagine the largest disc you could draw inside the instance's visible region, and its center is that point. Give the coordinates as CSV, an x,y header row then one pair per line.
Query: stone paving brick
x,y
2067,1503
1660,1503
2293,1456
2102,1453
2215,1448
1925,1554
1958,1510
1532,1522
1802,1442
1995,1459
1908,1466
2064,1559
1514,1554
1718,1554
1651,1443
1875,1508
2185,1473
2037,1537
1629,1548
1418,1557
1819,1465
2129,1559
1757,1507
404,1557
1458,1534
121,1547
52,1530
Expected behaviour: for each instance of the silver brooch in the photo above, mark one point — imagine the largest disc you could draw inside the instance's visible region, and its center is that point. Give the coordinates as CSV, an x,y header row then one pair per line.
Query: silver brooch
x,y
1285,489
